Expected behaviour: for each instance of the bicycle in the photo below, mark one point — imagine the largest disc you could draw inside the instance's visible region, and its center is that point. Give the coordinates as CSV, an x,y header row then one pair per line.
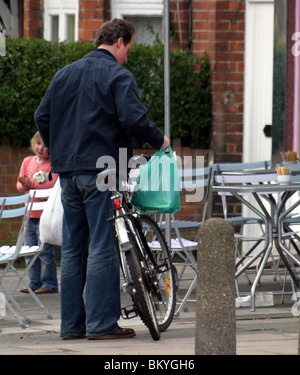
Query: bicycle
x,y
145,261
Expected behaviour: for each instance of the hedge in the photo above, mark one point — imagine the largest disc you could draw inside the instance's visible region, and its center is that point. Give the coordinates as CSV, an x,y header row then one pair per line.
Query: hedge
x,y
29,65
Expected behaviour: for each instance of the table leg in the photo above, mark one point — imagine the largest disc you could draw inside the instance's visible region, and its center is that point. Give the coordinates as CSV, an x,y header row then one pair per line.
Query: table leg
x,y
279,244
264,215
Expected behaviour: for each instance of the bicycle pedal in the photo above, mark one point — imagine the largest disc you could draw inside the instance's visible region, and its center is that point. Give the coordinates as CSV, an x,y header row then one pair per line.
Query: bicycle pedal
x,y
129,313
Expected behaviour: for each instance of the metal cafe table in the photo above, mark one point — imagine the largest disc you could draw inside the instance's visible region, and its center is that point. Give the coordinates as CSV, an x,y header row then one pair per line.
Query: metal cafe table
x,y
275,196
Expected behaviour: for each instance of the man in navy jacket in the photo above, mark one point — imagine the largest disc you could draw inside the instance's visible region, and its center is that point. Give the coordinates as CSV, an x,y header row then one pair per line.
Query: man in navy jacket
x,y
92,109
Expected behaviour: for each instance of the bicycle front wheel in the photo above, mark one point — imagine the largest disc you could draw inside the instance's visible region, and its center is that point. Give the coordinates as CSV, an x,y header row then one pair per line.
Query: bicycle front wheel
x,y
141,294
165,299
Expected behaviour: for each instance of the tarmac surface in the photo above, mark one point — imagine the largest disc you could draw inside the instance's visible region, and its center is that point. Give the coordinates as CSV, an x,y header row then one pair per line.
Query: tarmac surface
x,y
269,330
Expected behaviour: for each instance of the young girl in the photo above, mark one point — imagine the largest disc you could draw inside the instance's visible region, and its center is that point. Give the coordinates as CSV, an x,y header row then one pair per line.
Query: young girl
x,y
43,275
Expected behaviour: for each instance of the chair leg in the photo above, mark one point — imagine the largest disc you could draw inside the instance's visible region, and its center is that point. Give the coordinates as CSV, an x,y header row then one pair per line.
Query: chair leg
x,y
186,297
15,315
34,296
11,301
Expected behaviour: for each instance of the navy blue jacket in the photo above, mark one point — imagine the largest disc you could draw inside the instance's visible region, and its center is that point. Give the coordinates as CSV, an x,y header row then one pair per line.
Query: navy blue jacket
x,y
91,109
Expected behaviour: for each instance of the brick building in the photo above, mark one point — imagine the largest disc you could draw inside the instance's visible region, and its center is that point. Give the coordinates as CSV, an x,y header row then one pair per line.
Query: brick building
x,y
242,94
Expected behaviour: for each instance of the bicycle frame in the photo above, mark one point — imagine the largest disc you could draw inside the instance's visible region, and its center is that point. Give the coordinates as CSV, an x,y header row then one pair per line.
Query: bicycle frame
x,y
119,219
142,274
120,216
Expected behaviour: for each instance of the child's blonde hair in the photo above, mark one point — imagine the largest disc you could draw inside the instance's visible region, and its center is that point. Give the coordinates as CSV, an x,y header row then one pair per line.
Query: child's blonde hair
x,y
36,138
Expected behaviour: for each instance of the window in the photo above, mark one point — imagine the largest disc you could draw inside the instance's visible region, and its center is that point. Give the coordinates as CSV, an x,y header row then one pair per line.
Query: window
x,y
148,29
70,26
147,17
54,25
61,20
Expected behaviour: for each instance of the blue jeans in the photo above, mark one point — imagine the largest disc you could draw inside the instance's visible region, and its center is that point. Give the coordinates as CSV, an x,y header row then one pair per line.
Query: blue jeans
x,y
42,274
89,260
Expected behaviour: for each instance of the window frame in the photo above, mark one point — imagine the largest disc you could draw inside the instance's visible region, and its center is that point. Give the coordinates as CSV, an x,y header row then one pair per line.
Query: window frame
x,y
135,8
62,9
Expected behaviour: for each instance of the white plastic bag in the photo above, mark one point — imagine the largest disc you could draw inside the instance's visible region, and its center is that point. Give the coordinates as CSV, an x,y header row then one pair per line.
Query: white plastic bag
x,y
52,217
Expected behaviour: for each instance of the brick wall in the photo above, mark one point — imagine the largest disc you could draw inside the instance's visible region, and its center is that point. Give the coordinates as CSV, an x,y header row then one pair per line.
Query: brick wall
x,y
33,19
91,16
218,28
10,163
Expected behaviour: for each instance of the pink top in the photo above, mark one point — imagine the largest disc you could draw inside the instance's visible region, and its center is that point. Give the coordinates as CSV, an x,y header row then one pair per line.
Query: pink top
x,y
28,168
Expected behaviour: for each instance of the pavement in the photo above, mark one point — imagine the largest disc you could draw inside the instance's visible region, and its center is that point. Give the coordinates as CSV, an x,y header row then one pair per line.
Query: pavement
x,y
269,330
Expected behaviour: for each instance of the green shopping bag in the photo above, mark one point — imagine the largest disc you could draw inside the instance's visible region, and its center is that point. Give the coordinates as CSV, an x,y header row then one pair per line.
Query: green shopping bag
x,y
158,186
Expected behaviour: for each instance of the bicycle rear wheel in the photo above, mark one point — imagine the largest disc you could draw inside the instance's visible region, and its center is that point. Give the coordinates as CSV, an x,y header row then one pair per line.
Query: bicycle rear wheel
x,y
141,295
165,298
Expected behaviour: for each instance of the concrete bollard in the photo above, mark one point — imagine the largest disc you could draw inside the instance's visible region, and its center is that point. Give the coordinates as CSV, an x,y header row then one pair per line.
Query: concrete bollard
x,y
215,309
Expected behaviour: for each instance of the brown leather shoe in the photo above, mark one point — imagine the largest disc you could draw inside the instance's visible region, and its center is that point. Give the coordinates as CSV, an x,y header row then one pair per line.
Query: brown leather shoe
x,y
74,337
42,291
25,290
118,333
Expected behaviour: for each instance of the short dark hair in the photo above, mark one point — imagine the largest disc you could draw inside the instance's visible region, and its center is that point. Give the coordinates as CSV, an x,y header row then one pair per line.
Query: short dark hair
x,y
112,30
